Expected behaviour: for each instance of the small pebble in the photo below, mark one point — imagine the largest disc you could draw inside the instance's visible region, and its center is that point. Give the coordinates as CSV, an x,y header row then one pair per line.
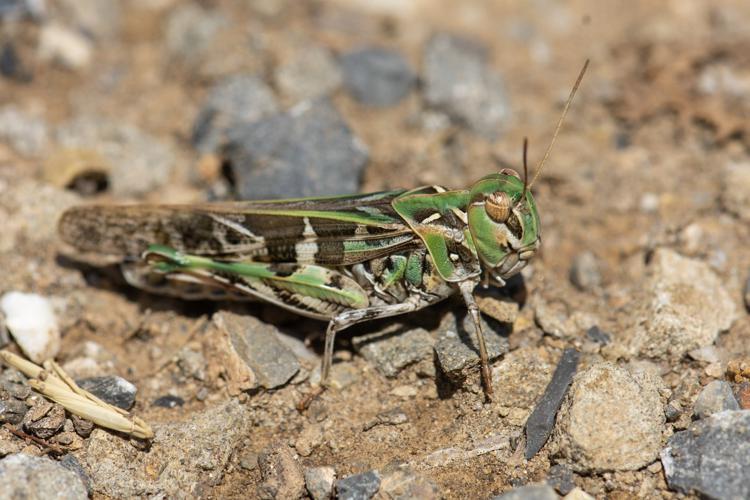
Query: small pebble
x,y
530,492
319,482
595,334
169,401
377,77
672,411
310,438
310,74
715,397
32,323
12,411
401,482
64,46
112,389
281,473
358,486
561,478
44,420
395,416
584,272
25,476
578,494
404,391
83,427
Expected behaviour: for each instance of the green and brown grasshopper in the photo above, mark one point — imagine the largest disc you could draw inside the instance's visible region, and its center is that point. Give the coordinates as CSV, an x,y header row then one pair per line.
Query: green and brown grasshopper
x,y
342,259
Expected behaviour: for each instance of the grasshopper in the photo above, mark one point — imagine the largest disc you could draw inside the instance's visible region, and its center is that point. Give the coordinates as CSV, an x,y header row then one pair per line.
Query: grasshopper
x,y
342,259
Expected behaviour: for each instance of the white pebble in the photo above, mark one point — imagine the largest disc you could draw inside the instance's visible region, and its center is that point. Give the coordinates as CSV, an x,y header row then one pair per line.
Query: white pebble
x,y
31,321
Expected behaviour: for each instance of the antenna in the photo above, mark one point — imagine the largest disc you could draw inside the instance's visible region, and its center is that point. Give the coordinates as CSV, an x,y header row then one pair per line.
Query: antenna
x,y
525,168
559,123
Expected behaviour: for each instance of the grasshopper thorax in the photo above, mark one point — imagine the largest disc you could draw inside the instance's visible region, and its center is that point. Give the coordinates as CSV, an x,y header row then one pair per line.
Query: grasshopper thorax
x,y
503,222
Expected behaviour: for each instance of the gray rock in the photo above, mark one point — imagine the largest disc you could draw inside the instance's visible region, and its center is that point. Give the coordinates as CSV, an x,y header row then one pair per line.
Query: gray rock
x,y
457,349
596,335
12,411
169,401
26,134
542,419
18,391
112,389
611,420
308,151
358,486
561,478
71,463
190,455
25,476
310,74
395,416
377,77
140,162
255,345
712,457
319,482
282,475
189,31
715,397
236,100
459,82
584,272
83,427
683,306
395,347
45,419
530,492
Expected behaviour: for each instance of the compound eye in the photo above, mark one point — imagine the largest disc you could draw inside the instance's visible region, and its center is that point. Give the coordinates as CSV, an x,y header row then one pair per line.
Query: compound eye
x,y
510,171
498,206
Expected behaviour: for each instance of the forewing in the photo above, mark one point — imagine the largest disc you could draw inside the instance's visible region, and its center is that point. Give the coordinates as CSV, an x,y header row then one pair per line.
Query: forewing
x,y
332,231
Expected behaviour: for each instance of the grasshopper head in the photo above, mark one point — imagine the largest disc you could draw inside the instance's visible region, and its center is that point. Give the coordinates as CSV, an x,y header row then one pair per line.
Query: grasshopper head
x,y
504,223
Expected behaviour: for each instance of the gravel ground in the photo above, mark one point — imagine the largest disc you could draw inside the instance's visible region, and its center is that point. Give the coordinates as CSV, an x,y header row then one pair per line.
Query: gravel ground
x,y
624,344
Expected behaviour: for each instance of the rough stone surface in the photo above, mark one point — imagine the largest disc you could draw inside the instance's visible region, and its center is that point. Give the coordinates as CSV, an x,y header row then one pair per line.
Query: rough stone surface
x,y
112,389
358,486
319,482
459,82
542,419
311,73
45,419
185,459
140,162
377,77
31,321
12,411
395,348
282,475
683,307
457,350
715,397
307,151
561,478
712,457
611,420
530,492
402,483
523,374
189,31
251,354
24,476
236,100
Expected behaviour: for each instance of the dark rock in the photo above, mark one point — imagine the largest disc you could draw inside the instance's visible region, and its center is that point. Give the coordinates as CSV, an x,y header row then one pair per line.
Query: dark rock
x,y
71,463
377,77
542,419
715,397
169,401
11,65
83,427
12,411
712,457
561,478
459,82
308,151
394,348
672,411
18,391
282,475
44,420
25,476
358,486
530,492
236,100
595,334
111,389
457,350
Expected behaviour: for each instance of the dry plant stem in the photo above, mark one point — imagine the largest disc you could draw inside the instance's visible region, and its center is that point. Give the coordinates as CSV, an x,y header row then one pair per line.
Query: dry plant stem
x,y
56,385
